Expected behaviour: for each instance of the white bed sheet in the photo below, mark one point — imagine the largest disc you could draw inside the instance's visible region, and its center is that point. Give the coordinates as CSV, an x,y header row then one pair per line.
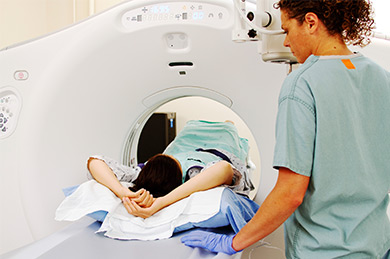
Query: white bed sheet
x,y
91,196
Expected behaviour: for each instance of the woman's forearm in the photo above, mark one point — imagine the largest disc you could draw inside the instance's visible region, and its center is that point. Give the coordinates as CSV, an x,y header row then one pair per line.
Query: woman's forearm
x,y
283,200
103,174
216,175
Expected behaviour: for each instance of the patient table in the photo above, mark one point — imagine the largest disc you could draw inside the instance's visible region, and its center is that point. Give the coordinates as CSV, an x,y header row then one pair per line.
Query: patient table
x,y
79,240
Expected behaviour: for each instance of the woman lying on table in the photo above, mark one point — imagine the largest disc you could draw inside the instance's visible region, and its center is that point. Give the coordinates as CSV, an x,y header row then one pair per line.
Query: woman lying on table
x,y
204,155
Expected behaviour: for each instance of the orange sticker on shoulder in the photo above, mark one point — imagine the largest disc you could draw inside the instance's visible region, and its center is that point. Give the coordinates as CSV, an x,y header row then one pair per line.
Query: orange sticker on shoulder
x,y
348,64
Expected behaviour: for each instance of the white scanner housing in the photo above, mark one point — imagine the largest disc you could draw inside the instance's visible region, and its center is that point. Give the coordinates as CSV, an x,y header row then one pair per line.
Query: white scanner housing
x,y
89,89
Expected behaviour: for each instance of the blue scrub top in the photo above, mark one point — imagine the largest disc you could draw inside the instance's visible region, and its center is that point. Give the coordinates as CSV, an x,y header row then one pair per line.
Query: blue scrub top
x,y
333,125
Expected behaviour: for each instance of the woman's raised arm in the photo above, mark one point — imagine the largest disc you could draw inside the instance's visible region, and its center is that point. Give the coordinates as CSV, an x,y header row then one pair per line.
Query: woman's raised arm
x,y
103,174
216,175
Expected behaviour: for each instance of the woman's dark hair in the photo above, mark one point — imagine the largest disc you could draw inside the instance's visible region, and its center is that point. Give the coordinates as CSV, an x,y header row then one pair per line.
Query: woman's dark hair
x,y
160,175
351,19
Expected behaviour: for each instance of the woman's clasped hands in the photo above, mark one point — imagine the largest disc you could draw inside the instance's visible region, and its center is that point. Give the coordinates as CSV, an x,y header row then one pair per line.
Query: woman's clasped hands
x,y
141,203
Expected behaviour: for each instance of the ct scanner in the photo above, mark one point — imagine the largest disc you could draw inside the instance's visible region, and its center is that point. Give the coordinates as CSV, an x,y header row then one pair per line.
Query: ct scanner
x,y
89,89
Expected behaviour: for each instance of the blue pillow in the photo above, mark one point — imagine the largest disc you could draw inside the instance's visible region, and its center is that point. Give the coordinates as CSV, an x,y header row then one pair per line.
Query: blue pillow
x,y
235,210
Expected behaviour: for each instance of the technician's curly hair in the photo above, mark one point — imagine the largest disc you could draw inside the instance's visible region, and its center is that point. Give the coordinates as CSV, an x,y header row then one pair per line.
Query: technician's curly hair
x,y
351,19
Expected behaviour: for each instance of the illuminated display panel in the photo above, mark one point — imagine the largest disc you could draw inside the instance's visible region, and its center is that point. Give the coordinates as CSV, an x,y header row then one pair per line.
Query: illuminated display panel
x,y
182,12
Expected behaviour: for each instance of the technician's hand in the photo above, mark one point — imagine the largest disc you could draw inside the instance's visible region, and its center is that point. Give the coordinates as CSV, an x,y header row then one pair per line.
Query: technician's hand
x,y
134,209
211,241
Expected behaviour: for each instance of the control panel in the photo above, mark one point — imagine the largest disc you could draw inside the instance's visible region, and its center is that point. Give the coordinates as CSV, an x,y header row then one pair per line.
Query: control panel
x,y
10,104
176,12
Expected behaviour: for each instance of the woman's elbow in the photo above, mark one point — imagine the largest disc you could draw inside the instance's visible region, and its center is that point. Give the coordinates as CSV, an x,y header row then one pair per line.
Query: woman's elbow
x,y
296,201
225,171
292,186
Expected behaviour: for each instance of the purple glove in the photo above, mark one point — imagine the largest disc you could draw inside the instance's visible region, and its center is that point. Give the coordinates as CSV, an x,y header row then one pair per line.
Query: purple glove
x,y
211,241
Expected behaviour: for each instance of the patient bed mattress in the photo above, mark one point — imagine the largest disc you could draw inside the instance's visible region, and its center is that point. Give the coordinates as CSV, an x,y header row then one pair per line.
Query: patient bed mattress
x,y
79,240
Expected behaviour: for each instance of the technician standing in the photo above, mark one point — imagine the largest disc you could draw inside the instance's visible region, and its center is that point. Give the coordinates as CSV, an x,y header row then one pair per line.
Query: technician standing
x,y
332,142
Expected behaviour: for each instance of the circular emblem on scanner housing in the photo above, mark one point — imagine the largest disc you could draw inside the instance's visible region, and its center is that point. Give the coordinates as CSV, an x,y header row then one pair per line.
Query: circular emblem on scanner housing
x,y
10,105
